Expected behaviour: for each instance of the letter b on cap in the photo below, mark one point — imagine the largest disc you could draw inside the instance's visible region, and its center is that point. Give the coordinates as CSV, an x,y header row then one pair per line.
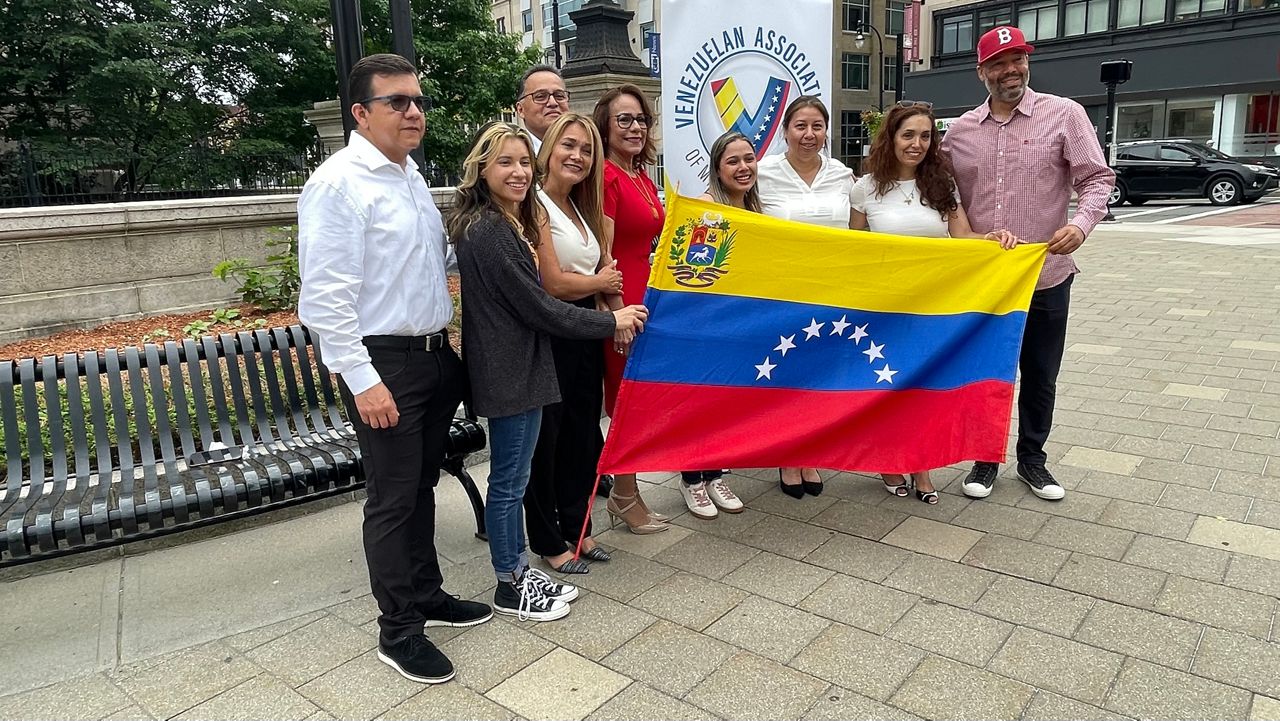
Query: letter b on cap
x,y
1005,36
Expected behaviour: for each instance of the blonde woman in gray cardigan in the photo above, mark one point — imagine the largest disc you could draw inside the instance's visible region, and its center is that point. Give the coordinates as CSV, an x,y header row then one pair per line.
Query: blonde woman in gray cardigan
x,y
506,331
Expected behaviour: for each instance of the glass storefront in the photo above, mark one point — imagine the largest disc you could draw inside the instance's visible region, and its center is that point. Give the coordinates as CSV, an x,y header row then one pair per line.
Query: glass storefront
x,y
1246,125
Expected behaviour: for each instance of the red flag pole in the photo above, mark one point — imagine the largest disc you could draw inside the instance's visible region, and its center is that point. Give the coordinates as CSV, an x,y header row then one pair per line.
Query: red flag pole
x,y
586,521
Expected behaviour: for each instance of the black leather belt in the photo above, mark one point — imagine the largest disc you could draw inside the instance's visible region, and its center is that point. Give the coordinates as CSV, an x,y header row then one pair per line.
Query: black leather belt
x,y
429,343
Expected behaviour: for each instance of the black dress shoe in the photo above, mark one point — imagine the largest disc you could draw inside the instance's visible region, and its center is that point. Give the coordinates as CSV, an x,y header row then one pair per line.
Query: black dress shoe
x,y
795,491
605,485
813,488
417,659
457,613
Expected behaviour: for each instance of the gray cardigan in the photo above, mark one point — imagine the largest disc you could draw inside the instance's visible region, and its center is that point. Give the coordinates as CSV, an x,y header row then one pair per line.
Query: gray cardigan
x,y
507,319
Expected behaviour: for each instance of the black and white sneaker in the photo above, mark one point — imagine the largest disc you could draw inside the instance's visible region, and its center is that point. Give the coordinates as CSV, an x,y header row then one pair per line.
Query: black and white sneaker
x,y
551,588
526,600
417,659
980,479
457,613
1042,482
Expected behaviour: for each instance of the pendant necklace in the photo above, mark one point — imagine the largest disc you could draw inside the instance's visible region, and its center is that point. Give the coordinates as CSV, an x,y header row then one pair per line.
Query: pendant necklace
x,y
907,199
644,193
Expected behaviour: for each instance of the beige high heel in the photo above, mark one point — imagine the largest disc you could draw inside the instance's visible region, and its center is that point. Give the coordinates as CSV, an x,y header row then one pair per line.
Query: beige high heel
x,y
617,512
660,518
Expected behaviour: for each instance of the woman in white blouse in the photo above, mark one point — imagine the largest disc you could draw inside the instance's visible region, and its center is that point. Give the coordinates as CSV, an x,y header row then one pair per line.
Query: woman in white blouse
x,y
557,502
909,189
806,186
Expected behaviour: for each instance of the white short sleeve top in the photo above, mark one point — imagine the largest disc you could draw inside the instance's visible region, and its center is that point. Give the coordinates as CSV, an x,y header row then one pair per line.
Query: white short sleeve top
x,y
898,211
578,253
785,195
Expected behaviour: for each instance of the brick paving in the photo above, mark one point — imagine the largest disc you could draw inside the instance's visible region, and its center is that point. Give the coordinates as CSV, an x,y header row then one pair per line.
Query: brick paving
x,y
1149,592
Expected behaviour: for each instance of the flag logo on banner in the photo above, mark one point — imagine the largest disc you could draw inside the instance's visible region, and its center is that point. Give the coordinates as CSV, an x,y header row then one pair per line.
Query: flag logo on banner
x,y
758,127
736,65
823,348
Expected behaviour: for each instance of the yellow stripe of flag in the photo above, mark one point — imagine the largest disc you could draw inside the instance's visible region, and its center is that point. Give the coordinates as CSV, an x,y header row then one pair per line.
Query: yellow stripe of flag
x,y
803,263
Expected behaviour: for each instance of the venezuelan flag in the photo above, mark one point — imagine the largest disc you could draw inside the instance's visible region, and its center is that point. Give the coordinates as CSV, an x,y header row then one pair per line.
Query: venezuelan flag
x,y
773,343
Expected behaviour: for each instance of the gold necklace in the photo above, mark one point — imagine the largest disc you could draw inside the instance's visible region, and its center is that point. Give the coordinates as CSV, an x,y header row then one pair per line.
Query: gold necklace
x,y
653,208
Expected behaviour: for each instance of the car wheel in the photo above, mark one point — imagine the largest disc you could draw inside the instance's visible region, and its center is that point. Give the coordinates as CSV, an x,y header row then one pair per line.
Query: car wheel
x,y
1118,195
1224,191
1137,201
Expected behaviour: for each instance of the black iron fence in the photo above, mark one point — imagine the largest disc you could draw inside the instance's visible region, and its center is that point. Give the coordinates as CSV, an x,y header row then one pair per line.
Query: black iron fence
x,y
31,176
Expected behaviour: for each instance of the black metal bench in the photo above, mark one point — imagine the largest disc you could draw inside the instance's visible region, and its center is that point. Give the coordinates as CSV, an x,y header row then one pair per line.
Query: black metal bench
x,y
109,447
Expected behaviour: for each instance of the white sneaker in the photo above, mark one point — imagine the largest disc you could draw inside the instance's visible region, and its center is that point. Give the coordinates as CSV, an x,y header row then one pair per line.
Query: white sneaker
x,y
698,501
724,498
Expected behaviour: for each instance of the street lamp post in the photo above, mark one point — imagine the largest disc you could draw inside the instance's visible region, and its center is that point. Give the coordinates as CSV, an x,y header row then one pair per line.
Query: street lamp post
x,y
1113,73
860,40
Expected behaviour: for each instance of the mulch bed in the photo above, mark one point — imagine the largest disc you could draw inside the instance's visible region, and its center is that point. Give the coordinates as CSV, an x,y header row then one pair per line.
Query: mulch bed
x,y
122,334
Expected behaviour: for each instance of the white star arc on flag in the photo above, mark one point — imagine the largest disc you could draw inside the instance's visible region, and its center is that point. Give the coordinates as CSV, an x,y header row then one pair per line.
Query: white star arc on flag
x,y
787,343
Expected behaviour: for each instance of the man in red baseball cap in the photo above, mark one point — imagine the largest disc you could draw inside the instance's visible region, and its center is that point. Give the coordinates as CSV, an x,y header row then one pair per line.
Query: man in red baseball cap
x,y
1017,158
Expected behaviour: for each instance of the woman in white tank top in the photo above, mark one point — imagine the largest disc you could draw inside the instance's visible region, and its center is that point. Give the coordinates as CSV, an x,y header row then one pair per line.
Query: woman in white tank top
x,y
558,498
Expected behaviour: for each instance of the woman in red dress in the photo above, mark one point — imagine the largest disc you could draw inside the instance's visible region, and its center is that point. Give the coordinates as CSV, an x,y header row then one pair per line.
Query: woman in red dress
x,y
634,218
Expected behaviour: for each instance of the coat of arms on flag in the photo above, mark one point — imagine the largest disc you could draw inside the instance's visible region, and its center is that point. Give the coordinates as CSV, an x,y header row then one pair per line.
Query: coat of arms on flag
x,y
822,348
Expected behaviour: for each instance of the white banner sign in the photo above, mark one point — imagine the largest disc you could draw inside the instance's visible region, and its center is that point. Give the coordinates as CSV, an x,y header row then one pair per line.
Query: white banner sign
x,y
736,65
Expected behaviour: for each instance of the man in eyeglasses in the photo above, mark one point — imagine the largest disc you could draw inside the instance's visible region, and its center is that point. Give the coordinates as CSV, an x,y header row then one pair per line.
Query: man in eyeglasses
x,y
1017,158
541,99
372,255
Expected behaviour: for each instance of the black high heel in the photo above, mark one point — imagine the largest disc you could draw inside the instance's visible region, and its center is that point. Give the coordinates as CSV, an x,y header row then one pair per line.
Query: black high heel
x,y
573,565
930,497
813,488
796,491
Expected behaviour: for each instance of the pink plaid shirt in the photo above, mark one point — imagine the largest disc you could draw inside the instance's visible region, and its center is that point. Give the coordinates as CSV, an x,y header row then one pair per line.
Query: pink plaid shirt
x,y
1018,174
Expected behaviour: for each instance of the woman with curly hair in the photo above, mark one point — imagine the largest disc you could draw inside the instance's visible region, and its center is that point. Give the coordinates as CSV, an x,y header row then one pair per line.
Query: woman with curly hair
x,y
909,189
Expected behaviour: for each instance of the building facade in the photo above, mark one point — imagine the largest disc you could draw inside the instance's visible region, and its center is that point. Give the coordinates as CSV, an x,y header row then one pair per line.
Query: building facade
x,y
1205,70
863,61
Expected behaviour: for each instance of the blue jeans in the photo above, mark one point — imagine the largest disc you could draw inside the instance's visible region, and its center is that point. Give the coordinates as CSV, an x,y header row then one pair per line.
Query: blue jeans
x,y
512,440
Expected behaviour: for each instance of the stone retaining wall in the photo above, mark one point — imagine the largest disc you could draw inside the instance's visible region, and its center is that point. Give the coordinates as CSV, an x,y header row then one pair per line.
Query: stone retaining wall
x,y
79,266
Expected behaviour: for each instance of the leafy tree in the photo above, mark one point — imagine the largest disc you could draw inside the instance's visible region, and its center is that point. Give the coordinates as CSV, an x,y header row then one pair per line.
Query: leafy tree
x,y
468,68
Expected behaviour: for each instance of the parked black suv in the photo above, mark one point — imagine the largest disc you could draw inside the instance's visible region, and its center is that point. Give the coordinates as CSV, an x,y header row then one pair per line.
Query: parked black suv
x,y
1150,169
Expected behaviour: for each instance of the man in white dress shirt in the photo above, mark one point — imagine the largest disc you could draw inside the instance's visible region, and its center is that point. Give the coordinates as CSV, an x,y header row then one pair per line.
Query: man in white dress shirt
x,y
542,98
372,252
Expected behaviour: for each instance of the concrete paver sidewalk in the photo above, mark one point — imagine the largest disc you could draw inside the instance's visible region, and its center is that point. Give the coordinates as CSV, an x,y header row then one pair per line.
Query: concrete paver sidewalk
x,y
1149,592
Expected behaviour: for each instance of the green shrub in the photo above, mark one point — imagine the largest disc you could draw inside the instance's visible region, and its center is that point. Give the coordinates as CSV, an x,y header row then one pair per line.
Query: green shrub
x,y
271,287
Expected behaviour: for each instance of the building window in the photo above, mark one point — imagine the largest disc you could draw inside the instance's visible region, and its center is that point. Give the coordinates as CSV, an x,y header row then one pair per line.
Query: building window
x,y
501,25
1188,9
893,14
853,138
1247,5
526,19
889,73
853,71
988,19
1085,16
1191,119
1262,126
957,34
568,30
1039,21
854,13
1132,13
1138,121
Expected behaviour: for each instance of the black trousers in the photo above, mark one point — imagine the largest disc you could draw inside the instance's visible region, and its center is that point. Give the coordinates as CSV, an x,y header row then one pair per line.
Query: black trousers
x,y
693,478
402,468
1039,363
558,498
